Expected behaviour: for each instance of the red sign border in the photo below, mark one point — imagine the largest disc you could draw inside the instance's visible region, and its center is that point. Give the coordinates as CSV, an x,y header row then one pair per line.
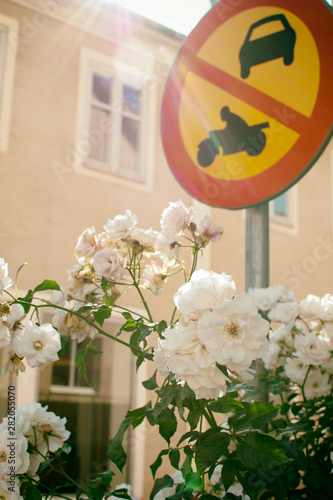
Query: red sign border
x,y
236,194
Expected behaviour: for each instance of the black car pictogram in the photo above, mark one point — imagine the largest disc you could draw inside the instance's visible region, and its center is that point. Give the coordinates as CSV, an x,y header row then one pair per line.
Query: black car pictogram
x,y
267,48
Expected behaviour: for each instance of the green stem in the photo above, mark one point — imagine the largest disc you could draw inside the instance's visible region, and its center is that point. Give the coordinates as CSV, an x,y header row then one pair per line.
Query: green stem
x,y
60,495
91,323
135,284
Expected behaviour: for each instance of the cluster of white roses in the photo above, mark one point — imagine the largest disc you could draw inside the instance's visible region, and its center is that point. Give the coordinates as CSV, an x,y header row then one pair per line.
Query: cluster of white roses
x,y
216,326
303,340
37,432
37,344
118,251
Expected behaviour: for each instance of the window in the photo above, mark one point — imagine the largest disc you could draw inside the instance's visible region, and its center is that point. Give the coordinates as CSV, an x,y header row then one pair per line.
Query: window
x,y
116,115
283,210
8,47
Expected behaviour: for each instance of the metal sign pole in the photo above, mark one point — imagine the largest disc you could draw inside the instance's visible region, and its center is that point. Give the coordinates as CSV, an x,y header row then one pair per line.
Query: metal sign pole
x,y
257,246
257,263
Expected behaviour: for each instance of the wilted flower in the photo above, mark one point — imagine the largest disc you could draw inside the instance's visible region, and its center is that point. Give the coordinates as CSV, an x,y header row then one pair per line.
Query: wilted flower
x,y
175,219
16,315
39,344
208,231
146,237
121,225
73,326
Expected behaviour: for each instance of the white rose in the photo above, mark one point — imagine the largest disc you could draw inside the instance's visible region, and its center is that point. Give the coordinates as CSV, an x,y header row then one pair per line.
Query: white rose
x,y
16,315
204,292
167,249
175,219
5,493
17,451
121,225
317,384
5,281
39,344
326,308
4,335
284,312
87,244
309,307
267,298
59,297
311,349
108,263
188,359
146,237
152,278
208,231
295,370
234,333
272,358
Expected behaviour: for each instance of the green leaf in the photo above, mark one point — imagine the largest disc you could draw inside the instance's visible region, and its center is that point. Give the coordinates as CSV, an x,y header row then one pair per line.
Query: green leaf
x,y
158,462
65,342
167,424
28,298
120,493
80,363
174,457
116,452
151,383
223,369
145,330
161,326
138,414
31,491
226,404
257,415
228,473
94,349
194,417
260,451
211,445
164,482
102,314
191,435
47,285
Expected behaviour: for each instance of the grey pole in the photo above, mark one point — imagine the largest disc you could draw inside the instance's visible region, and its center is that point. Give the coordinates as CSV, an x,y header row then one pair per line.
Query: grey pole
x,y
257,246
257,263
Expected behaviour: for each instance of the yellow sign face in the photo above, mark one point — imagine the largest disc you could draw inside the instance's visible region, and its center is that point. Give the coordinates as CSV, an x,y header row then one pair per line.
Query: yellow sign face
x,y
210,109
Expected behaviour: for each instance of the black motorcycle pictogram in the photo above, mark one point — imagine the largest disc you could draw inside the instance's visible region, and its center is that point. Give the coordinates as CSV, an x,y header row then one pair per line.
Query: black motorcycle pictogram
x,y
236,137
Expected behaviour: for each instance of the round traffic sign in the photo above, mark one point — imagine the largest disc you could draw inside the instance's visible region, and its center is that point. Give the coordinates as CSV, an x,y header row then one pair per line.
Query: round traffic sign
x,y
248,104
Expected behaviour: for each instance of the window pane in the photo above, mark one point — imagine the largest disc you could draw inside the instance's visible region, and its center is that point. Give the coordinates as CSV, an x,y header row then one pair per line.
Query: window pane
x,y
131,100
130,145
100,121
281,205
102,89
60,372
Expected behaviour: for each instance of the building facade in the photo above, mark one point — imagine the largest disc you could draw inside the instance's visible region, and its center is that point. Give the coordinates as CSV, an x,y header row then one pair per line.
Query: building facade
x,y
81,90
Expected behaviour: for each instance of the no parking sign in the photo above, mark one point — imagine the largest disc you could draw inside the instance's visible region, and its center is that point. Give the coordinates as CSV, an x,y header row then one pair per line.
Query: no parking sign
x,y
248,104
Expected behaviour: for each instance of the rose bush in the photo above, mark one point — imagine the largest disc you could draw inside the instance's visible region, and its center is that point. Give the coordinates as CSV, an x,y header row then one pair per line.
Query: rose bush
x,y
258,434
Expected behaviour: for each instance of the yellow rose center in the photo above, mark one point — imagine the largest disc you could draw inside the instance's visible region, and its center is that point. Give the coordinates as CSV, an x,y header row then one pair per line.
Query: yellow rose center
x,y
38,345
233,330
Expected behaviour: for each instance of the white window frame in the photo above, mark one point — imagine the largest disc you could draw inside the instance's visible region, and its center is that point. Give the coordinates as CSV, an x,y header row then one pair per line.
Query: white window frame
x,y
286,223
8,49
93,62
